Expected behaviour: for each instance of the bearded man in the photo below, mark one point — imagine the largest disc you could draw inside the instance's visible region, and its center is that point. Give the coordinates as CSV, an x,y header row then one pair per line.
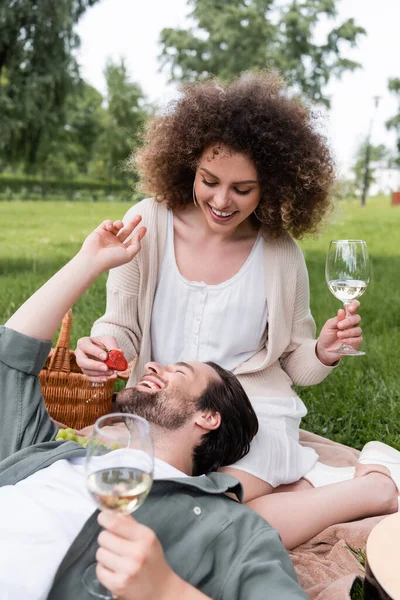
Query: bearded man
x,y
192,538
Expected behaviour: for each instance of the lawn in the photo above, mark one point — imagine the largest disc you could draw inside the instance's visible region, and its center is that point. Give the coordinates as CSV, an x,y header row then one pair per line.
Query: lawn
x,y
358,402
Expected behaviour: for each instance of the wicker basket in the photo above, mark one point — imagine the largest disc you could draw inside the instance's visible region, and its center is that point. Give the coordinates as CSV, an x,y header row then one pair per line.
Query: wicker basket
x,y
70,397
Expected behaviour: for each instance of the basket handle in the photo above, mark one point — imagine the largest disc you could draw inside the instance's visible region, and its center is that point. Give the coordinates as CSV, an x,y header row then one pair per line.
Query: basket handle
x,y
60,360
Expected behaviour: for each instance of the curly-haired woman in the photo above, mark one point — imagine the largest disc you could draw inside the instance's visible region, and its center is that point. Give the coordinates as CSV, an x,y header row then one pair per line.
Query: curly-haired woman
x,y
235,173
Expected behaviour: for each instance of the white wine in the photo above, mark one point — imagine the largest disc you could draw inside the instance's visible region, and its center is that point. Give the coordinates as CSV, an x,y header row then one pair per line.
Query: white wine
x,y
121,489
347,289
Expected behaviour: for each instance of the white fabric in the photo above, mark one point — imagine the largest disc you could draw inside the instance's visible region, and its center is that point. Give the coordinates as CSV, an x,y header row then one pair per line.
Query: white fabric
x,y
378,453
224,323
288,357
322,474
39,519
275,454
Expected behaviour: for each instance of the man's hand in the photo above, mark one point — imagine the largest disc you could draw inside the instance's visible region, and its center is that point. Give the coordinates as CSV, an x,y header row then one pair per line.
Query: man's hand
x,y
339,330
131,563
108,245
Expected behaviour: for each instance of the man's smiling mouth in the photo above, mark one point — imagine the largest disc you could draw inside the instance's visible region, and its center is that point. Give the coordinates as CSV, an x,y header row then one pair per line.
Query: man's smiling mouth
x,y
152,383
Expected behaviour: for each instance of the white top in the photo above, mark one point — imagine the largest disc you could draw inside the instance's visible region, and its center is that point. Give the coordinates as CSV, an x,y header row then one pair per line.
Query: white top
x,y
224,323
39,519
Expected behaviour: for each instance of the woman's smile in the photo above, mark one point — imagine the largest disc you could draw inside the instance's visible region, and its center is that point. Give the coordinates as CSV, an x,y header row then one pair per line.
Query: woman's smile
x,y
221,216
226,187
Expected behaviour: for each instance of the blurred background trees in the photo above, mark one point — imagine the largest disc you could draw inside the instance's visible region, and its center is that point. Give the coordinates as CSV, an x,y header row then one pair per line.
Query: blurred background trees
x,y
232,36
38,72
394,122
55,125
367,164
52,122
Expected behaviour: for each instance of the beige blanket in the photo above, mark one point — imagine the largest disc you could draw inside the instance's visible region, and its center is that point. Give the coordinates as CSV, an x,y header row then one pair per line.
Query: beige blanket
x,y
325,566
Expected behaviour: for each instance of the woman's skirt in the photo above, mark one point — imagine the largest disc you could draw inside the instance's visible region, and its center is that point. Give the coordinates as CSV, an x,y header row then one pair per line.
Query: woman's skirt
x,y
276,455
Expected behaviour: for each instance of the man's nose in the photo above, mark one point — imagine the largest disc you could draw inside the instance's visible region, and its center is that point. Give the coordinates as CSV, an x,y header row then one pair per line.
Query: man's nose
x,y
155,368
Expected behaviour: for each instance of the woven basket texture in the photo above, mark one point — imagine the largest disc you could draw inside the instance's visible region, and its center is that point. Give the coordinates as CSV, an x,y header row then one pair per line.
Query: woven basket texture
x,y
69,396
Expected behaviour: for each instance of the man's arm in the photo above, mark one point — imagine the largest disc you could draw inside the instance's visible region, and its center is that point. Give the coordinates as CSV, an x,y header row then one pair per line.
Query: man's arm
x,y
105,248
23,350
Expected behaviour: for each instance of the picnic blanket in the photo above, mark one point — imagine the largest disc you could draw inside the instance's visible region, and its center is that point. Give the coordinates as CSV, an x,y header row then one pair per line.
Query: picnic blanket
x,y
325,565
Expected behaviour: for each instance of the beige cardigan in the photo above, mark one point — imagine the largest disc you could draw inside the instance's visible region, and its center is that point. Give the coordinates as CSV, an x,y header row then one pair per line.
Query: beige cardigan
x,y
288,356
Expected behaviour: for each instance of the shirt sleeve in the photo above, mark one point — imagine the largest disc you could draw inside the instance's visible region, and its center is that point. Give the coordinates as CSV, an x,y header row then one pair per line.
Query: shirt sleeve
x,y
24,419
263,571
300,360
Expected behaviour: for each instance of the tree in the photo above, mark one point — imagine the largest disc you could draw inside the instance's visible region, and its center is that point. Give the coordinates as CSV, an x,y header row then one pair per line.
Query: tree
x,y
38,71
73,147
365,174
126,114
394,122
232,36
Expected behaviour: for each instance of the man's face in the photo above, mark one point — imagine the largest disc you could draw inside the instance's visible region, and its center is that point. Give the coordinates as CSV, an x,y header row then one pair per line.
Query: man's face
x,y
166,396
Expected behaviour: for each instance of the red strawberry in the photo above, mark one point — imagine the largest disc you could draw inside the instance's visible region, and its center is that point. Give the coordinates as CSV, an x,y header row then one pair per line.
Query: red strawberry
x,y
116,360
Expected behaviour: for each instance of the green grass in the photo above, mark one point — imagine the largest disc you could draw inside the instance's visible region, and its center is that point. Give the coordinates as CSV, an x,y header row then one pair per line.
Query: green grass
x,y
360,401
36,239
357,402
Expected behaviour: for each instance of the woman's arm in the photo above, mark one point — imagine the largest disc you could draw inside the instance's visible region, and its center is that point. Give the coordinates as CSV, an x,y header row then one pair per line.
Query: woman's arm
x,y
300,360
118,327
307,360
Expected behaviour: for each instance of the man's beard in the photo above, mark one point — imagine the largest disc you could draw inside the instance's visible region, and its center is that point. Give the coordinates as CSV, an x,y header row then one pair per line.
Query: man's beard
x,y
165,409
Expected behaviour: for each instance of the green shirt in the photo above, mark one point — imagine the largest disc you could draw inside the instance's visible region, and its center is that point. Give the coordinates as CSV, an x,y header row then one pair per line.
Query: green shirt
x,y
216,544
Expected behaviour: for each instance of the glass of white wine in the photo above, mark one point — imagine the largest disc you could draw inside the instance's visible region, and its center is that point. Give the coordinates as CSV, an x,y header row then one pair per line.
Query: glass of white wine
x,y
347,273
119,472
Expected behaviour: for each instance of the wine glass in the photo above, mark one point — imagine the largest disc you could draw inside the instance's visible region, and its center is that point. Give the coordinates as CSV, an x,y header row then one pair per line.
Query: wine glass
x,y
347,273
119,472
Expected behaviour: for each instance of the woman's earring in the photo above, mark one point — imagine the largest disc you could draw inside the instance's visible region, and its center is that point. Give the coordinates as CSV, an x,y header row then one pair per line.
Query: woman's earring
x,y
194,197
257,216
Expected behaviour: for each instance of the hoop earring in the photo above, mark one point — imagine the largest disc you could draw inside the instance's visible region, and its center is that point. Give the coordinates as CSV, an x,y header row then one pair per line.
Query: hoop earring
x,y
194,197
257,216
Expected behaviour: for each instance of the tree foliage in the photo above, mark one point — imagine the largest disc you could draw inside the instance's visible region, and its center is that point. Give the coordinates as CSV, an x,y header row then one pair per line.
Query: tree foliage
x,y
394,122
38,71
69,152
99,132
52,121
232,36
378,157
125,117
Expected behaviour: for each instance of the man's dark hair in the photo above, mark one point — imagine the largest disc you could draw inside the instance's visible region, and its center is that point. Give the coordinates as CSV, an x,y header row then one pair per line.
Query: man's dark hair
x,y
239,424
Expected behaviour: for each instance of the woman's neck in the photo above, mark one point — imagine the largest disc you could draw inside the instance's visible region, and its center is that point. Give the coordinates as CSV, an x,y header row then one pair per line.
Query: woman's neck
x,y
193,217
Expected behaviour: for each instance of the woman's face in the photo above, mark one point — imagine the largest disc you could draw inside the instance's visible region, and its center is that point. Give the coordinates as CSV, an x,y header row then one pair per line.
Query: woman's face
x,y
227,188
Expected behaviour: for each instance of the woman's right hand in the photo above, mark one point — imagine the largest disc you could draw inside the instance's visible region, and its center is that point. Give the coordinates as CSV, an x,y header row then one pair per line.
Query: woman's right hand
x,y
90,356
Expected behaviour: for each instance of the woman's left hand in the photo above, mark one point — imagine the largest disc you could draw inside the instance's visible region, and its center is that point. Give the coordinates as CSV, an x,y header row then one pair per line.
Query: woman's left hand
x,y
339,330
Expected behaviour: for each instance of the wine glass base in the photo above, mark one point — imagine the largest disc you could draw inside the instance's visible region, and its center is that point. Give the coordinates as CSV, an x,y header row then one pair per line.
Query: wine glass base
x,y
93,585
345,350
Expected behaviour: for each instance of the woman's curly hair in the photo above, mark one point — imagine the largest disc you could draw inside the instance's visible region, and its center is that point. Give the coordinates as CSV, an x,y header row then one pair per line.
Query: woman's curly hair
x,y
255,116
